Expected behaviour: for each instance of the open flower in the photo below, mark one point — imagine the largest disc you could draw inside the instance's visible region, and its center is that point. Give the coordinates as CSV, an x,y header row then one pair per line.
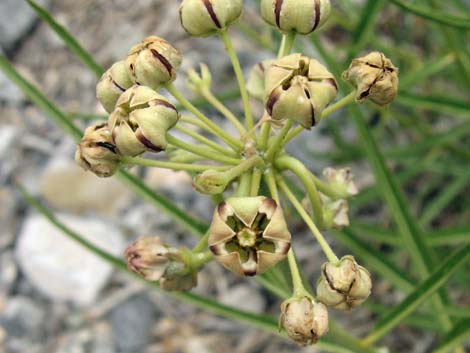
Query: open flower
x,y
344,285
249,234
304,319
374,77
141,120
97,152
298,88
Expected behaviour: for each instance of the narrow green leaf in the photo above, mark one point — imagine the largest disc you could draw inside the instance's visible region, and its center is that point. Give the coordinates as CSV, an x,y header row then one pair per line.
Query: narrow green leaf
x,y
418,297
458,336
439,104
435,16
68,39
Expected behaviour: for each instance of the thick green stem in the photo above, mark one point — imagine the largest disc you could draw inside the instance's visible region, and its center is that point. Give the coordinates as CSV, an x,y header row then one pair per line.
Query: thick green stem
x,y
334,192
239,74
244,167
298,206
350,98
230,140
278,141
305,176
206,141
170,165
202,244
256,182
244,186
209,96
286,44
264,136
201,151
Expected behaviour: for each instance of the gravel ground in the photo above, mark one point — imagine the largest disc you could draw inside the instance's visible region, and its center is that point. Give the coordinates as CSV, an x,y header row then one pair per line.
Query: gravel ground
x,y
56,298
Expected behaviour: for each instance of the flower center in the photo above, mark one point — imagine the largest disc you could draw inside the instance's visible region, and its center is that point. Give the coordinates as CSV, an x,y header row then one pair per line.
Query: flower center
x,y
246,238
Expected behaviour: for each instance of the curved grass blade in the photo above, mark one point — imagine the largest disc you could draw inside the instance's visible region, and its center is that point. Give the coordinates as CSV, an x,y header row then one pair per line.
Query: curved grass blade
x,y
68,39
263,322
438,104
418,297
458,336
434,15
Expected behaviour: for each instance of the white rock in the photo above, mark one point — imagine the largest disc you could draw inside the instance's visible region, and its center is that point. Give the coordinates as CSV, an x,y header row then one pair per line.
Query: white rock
x,y
61,268
67,187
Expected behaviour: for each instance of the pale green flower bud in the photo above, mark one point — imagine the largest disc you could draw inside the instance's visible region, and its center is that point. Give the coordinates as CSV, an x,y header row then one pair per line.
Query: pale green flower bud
x,y
97,153
141,120
158,262
301,16
202,18
335,212
211,182
342,179
248,235
153,62
344,285
255,84
374,78
198,82
112,84
298,88
304,320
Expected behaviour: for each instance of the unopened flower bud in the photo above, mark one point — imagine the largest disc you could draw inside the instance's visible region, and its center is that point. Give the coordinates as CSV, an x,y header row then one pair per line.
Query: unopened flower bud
x,y
211,182
342,179
344,285
256,80
156,261
141,120
374,78
304,319
97,153
203,18
153,62
198,82
112,84
335,212
299,88
301,16
248,235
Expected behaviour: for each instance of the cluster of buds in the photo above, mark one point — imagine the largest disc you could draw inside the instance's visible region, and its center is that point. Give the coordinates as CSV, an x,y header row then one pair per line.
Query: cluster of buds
x,y
248,235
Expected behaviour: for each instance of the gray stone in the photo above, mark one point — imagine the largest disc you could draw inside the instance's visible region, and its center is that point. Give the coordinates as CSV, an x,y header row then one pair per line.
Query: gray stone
x,y
9,92
16,19
95,339
8,272
132,323
244,297
61,268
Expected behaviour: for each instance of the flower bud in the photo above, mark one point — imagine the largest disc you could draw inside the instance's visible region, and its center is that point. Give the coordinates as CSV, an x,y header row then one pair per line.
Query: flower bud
x,y
96,151
248,235
153,62
344,285
301,16
304,319
255,84
342,179
155,261
112,84
298,88
211,182
198,82
202,18
374,78
335,212
141,120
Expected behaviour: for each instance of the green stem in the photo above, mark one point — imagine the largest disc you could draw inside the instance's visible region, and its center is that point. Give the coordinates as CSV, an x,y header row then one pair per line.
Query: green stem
x,y
350,98
230,140
278,141
198,260
206,141
264,136
170,165
241,80
201,151
209,96
202,244
334,192
298,206
244,186
305,176
256,182
286,44
244,167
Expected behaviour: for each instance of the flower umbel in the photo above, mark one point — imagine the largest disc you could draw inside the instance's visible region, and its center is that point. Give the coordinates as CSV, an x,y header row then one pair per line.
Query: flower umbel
x,y
304,320
249,234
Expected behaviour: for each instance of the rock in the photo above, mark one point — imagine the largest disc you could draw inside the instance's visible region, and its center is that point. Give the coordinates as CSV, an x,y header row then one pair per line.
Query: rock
x,y
96,339
132,323
61,268
9,93
90,193
7,217
8,272
16,19
244,297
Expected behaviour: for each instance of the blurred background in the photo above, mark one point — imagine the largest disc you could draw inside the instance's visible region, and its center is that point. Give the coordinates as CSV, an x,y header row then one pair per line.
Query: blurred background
x,y
56,297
